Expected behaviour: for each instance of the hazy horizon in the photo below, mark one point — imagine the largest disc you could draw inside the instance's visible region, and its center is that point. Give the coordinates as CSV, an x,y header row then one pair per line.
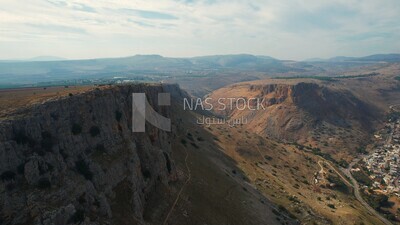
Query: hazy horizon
x,y
295,30
60,58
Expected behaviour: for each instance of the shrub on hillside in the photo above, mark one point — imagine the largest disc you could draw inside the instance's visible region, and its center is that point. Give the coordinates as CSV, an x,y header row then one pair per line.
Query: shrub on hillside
x,y
47,141
7,176
332,206
76,129
118,115
83,168
94,131
44,183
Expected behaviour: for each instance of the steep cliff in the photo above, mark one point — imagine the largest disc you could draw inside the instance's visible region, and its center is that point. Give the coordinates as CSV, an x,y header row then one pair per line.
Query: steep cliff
x,y
69,160
303,112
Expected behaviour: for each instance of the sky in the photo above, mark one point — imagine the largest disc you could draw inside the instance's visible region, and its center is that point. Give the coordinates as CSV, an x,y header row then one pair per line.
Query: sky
x,y
284,29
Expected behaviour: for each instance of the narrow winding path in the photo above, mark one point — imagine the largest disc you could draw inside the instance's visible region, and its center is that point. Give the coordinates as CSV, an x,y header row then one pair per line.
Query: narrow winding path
x,y
356,186
181,190
336,171
358,196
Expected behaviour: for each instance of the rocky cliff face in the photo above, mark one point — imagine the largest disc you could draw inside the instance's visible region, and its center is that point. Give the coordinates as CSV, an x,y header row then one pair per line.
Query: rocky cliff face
x,y
308,113
336,107
75,160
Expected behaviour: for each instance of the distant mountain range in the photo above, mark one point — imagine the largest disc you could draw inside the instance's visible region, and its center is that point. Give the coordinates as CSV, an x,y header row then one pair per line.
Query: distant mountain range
x,y
370,58
39,70
51,68
43,58
47,58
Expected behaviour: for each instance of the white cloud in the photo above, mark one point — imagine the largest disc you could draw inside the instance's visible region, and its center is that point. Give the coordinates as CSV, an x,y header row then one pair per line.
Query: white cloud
x,y
286,29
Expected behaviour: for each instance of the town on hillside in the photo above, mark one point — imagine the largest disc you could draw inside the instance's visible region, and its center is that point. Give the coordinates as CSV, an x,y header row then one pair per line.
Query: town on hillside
x,y
383,163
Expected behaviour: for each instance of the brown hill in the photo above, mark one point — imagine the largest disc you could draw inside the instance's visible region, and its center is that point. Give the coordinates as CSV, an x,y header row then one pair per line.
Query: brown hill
x,y
305,111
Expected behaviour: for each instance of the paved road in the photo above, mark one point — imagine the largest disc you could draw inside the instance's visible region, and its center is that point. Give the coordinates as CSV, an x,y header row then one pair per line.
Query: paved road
x,y
334,169
358,195
356,186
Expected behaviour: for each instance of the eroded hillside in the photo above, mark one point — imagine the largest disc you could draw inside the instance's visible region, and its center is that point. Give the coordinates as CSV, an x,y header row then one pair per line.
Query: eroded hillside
x,y
73,159
303,111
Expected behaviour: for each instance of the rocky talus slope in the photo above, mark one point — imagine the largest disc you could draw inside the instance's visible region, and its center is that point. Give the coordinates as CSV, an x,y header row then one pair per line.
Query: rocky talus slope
x,y
63,161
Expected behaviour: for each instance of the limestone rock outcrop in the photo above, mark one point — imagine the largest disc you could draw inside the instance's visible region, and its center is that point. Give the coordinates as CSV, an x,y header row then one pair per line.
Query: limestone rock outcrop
x,y
63,161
